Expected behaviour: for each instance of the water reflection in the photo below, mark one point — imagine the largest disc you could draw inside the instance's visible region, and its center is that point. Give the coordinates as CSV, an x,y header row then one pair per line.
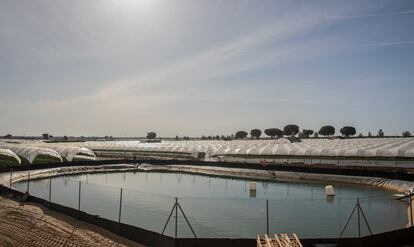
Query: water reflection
x,y
225,207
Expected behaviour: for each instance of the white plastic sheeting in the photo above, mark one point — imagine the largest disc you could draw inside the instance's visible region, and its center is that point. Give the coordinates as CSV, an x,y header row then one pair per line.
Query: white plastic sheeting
x,y
30,152
70,152
9,153
359,147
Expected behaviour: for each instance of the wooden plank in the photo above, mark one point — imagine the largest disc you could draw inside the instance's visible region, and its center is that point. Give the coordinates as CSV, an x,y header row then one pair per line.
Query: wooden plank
x,y
268,243
259,242
287,240
297,240
284,240
278,241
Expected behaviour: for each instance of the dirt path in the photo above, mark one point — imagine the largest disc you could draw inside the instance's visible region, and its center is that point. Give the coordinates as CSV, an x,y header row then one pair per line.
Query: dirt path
x,y
32,225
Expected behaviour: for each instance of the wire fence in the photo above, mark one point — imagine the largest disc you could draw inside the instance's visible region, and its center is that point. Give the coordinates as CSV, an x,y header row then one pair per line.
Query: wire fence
x,y
319,217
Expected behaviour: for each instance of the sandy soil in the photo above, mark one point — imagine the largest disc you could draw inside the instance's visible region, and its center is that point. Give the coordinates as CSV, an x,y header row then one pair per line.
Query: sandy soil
x,y
27,224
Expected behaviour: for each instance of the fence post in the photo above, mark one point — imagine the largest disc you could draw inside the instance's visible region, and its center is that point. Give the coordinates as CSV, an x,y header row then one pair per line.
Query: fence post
x,y
28,182
50,189
79,199
267,216
411,208
176,217
120,207
359,221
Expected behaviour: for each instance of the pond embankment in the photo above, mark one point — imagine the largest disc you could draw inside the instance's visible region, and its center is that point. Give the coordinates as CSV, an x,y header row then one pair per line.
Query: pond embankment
x,y
264,175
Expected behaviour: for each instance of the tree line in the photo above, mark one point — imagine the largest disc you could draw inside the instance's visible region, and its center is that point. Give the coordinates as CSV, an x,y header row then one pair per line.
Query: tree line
x,y
289,130
293,130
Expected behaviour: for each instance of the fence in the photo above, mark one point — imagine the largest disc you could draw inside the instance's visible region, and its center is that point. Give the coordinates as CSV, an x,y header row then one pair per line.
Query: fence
x,y
191,217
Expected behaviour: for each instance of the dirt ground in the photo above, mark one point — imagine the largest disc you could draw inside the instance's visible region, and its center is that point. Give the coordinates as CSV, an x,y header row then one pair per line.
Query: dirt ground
x,y
27,224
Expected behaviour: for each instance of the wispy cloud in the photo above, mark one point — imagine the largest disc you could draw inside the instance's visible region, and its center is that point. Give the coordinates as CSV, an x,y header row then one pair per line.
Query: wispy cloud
x,y
396,43
404,12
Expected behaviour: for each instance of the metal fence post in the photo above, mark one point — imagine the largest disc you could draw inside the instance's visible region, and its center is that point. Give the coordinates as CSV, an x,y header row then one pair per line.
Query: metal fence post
x,y
79,199
50,189
120,207
267,216
359,221
411,209
176,217
28,181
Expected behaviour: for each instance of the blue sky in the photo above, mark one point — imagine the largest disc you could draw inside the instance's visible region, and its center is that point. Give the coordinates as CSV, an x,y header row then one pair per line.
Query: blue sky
x,y
183,67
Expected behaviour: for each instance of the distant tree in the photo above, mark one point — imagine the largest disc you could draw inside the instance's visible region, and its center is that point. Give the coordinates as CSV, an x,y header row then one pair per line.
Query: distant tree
x,y
348,131
65,138
209,138
369,134
273,132
240,134
45,136
151,135
360,135
176,138
8,136
255,133
217,137
406,134
203,137
380,133
327,130
301,135
307,133
290,130
315,135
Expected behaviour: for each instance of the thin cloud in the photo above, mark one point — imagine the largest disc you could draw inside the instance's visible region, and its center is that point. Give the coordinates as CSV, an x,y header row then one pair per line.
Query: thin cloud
x,y
406,12
396,43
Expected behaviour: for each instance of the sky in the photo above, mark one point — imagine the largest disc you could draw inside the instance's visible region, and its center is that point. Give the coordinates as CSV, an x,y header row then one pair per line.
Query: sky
x,y
193,67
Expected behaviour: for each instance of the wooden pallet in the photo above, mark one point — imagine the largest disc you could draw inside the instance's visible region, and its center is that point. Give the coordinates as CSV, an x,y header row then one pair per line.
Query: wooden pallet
x,y
279,240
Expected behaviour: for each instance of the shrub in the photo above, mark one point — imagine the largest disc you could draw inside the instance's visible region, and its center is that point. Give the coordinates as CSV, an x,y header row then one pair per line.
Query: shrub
x,y
151,135
290,130
348,131
255,133
240,134
273,132
327,130
406,134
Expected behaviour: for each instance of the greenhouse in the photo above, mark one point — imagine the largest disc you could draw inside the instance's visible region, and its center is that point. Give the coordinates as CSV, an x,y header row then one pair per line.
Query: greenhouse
x,y
214,150
367,147
71,153
33,154
7,157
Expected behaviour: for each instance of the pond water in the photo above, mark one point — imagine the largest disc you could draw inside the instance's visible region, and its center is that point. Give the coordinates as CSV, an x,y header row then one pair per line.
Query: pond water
x,y
221,207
